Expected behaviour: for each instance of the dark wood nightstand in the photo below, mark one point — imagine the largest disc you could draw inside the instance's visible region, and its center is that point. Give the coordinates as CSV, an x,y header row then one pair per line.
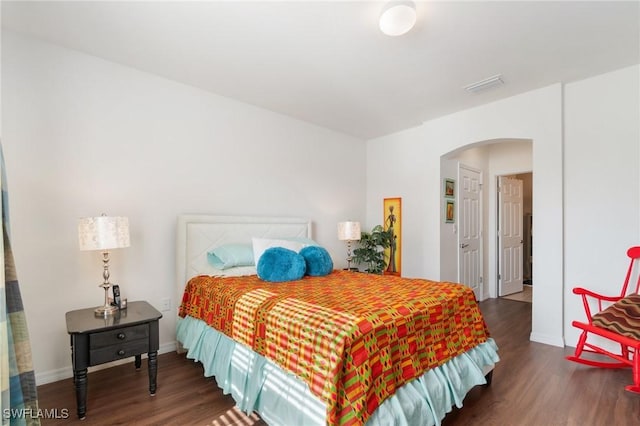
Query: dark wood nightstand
x,y
97,339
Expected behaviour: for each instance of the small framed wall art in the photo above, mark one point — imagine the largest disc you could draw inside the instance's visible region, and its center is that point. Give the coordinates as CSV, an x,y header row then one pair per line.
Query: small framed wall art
x,y
449,211
449,188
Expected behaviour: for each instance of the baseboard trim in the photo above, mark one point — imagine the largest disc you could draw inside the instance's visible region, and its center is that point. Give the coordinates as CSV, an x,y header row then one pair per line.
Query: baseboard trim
x,y
66,372
546,339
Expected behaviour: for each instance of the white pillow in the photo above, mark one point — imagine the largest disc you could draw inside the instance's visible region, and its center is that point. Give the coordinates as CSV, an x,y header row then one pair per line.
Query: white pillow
x,y
295,244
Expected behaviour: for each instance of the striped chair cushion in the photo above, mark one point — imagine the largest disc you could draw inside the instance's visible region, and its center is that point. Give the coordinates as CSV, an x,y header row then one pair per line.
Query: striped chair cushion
x,y
623,317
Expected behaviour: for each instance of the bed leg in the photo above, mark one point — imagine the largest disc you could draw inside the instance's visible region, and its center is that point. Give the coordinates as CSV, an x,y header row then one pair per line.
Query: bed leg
x,y
489,378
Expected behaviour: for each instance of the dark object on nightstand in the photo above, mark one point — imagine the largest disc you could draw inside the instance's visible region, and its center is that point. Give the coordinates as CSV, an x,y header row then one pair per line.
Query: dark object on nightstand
x,y
116,296
99,339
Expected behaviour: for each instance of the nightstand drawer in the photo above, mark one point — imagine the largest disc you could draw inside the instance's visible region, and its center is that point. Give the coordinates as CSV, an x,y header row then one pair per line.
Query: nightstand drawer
x,y
119,336
114,352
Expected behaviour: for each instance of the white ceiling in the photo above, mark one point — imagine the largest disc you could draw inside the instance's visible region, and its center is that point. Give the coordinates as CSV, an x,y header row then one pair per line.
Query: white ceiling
x,y
327,63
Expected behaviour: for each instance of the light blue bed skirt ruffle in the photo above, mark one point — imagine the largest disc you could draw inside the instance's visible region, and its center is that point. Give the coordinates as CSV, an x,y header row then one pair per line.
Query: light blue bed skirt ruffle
x,y
257,384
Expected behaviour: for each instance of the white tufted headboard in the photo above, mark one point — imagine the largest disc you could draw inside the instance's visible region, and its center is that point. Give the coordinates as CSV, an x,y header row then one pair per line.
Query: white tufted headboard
x,y
197,234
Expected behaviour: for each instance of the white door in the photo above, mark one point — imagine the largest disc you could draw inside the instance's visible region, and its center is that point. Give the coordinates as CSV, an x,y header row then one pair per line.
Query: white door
x,y
470,229
510,235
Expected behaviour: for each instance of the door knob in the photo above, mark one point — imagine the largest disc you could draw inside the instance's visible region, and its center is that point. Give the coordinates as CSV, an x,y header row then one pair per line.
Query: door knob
x,y
464,245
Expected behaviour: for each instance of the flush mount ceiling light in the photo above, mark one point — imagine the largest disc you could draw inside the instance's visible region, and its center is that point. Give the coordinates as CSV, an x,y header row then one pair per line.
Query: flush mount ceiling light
x,y
397,17
487,83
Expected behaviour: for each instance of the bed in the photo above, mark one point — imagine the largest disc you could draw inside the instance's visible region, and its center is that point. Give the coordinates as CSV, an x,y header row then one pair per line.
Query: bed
x,y
402,351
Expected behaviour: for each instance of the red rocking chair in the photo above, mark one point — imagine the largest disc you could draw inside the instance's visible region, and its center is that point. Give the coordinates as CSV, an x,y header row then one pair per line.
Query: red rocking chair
x,y
619,322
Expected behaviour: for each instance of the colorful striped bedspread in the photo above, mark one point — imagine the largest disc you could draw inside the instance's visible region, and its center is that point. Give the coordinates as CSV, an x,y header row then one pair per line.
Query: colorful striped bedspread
x,y
354,338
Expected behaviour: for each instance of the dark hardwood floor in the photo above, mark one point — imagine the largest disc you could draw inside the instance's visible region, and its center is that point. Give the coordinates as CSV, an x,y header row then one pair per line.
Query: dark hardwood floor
x,y
532,385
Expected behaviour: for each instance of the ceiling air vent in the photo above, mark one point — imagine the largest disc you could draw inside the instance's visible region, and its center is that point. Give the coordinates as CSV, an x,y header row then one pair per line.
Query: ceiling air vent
x,y
485,84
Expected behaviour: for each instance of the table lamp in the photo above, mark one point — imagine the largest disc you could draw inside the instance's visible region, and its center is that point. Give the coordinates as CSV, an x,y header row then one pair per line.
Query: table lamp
x,y
104,233
349,231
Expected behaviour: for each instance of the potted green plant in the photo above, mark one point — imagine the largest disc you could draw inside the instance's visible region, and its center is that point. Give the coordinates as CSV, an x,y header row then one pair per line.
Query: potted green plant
x,y
371,249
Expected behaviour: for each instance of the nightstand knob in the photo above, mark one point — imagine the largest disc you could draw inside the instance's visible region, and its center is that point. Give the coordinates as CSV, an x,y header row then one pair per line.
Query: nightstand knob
x,y
121,352
121,336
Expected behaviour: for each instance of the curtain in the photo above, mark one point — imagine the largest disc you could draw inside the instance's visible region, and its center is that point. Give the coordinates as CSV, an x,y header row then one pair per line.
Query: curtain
x,y
19,400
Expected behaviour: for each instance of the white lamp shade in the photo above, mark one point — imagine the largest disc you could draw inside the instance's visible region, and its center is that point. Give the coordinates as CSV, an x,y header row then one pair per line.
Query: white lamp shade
x,y
349,231
103,232
397,17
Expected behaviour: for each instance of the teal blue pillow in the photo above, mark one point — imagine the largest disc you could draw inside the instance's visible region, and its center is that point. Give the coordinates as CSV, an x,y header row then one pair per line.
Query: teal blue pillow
x,y
278,264
318,261
231,255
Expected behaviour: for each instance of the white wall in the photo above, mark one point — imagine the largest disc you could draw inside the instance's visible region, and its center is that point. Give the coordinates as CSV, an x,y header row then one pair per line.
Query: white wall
x,y
83,136
601,185
585,150
411,164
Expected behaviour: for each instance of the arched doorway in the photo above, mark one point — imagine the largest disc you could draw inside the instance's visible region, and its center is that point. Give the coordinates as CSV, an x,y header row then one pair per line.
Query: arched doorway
x,y
493,158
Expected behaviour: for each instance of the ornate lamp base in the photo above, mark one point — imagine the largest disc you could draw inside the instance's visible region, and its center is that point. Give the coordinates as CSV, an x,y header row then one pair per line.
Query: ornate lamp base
x,y
106,309
103,311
